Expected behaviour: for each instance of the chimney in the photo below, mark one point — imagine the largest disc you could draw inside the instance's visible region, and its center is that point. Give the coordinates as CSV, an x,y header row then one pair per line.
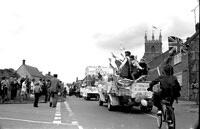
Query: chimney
x,y
23,62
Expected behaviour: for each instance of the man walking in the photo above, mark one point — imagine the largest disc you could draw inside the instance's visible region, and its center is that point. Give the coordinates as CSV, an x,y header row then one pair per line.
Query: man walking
x,y
37,91
54,88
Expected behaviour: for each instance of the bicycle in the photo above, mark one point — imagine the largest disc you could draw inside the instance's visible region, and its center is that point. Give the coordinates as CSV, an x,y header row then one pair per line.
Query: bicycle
x,y
167,114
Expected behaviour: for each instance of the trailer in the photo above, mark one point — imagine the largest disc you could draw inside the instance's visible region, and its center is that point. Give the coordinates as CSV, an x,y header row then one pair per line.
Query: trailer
x,y
90,92
89,88
125,92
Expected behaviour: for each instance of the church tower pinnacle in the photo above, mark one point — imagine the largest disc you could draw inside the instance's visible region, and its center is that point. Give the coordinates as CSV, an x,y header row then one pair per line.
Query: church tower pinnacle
x,y
145,37
160,37
152,35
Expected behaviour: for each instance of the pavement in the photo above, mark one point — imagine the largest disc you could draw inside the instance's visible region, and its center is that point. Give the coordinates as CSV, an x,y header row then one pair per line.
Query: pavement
x,y
188,106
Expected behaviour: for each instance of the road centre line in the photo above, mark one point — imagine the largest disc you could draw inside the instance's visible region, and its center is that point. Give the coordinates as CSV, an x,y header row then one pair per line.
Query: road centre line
x,y
57,114
57,117
71,114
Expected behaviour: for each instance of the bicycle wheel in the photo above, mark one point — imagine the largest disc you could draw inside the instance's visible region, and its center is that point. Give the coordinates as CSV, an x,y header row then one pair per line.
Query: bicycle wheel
x,y
171,124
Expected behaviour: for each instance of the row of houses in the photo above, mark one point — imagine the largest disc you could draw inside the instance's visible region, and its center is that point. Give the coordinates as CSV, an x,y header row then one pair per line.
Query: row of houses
x,y
185,64
25,71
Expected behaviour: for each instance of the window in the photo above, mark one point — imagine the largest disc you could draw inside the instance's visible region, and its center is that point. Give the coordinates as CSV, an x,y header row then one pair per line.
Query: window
x,y
179,77
177,58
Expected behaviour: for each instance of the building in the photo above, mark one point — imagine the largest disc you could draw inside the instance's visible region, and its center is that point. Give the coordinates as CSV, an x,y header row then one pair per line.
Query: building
x,y
8,73
185,63
193,60
153,48
29,71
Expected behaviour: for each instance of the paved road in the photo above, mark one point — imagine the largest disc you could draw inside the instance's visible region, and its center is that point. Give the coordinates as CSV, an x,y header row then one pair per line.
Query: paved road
x,y
77,113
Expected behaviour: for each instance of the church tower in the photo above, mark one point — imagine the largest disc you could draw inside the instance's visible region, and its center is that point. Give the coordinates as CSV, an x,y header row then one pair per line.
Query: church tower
x,y
153,47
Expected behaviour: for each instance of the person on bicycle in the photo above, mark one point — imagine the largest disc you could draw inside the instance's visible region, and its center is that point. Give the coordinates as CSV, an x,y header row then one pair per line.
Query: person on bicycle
x,y
169,85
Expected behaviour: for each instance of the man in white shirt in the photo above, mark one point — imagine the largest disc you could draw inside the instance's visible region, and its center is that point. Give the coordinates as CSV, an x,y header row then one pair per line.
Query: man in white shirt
x,y
134,67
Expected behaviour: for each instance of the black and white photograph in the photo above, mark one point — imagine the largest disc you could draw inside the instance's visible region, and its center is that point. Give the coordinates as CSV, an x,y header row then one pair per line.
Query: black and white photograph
x,y
99,64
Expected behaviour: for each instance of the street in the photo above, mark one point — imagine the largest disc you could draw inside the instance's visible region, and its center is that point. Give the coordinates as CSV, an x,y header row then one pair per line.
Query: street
x,y
77,113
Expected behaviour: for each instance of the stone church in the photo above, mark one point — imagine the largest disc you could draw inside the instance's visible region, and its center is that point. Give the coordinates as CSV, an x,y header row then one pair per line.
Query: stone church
x,y
153,47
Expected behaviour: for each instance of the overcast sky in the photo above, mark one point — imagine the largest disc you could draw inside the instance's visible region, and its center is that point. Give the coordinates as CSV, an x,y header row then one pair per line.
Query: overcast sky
x,y
65,36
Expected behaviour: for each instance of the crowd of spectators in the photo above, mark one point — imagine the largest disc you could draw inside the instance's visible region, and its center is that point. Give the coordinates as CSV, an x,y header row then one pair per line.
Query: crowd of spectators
x,y
14,89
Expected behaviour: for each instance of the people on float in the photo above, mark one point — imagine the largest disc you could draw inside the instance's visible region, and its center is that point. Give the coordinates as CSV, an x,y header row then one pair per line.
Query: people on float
x,y
124,69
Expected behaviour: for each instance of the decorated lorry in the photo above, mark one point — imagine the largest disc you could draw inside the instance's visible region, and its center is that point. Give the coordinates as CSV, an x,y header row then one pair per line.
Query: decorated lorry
x,y
124,92
89,87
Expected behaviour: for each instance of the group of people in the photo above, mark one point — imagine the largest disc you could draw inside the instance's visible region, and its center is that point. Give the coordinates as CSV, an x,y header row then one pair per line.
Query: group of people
x,y
9,88
51,89
20,89
129,67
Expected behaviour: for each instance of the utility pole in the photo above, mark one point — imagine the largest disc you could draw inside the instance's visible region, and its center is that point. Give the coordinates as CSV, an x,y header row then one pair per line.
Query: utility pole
x,y
194,10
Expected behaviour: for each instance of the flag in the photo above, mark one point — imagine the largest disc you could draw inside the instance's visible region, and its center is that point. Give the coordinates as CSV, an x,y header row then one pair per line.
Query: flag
x,y
113,55
174,39
109,60
118,63
154,27
122,55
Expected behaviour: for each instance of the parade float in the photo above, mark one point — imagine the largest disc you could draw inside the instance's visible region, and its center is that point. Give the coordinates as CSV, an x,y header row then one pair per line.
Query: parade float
x,y
122,92
89,88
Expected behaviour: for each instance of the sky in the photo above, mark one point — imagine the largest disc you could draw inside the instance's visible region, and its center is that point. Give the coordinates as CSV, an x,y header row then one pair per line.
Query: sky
x,y
66,36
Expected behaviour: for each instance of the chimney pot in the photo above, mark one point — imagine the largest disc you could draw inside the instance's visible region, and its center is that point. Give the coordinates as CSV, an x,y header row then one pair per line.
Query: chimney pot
x,y
23,62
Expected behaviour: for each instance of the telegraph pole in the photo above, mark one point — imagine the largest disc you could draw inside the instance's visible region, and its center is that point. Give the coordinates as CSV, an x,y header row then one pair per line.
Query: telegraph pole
x,y
194,10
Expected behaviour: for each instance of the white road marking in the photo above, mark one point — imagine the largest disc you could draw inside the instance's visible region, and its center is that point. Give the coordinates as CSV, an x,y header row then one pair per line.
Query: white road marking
x,y
57,114
71,114
31,121
57,122
68,108
80,127
57,117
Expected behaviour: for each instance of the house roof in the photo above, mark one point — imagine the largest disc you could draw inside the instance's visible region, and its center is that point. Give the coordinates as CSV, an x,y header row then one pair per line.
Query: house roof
x,y
192,37
33,71
156,61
